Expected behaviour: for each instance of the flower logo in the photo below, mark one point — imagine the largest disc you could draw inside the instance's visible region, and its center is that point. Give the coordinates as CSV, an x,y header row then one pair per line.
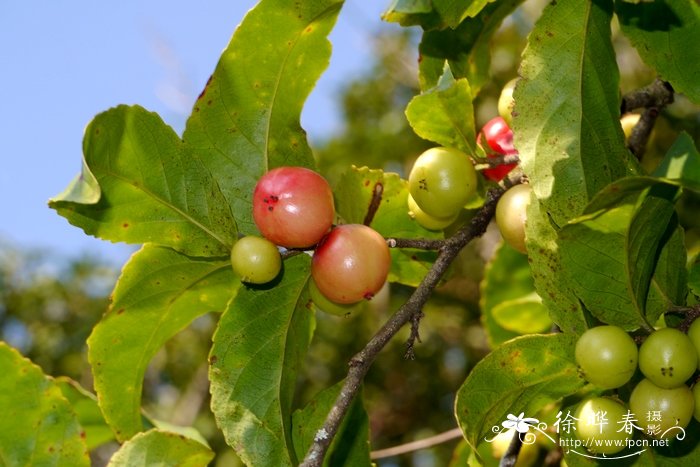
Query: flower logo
x,y
520,423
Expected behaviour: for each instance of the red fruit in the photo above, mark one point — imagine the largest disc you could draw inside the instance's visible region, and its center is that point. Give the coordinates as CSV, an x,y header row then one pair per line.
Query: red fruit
x,y
499,138
351,263
293,206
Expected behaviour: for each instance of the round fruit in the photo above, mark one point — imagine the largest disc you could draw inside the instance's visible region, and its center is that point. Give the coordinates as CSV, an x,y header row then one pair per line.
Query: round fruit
x,y
441,181
293,206
337,309
600,420
351,263
506,102
426,220
657,409
696,398
668,358
499,138
694,335
511,215
607,356
255,259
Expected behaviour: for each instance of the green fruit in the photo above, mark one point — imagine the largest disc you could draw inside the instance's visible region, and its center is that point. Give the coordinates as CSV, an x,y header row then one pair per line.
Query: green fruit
x,y
255,260
441,181
600,422
694,336
426,220
607,356
657,410
511,215
506,102
696,398
668,358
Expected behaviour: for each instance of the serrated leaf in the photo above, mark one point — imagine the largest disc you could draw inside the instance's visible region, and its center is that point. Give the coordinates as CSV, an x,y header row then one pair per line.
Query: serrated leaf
x,y
156,447
246,120
567,98
521,376
37,426
259,347
353,196
466,49
159,293
90,417
350,446
507,280
662,32
152,188
610,257
681,163
445,114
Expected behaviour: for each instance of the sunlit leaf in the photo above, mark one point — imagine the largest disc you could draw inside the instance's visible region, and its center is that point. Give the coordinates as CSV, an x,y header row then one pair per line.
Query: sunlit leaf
x,y
567,98
353,196
37,426
259,347
445,114
152,187
159,293
521,376
246,120
350,446
664,33
681,163
156,447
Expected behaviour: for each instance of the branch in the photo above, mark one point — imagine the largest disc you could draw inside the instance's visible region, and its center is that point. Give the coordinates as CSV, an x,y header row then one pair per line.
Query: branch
x,y
417,243
495,161
361,362
641,132
511,456
657,94
374,203
417,445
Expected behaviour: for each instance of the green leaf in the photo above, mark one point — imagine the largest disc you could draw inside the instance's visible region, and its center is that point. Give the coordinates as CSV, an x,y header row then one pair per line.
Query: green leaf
x,y
507,298
548,273
90,417
694,279
412,12
453,12
352,198
152,188
161,448
566,100
37,426
159,293
681,163
522,375
350,447
259,348
466,49
610,257
665,32
246,120
445,114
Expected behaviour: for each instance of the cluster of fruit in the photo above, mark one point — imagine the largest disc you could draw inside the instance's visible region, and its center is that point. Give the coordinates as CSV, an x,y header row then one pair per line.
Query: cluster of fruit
x,y
661,405
442,180
293,208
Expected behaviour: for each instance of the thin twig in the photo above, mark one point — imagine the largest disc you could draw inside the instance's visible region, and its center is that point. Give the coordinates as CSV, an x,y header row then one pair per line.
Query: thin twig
x,y
495,161
374,203
414,336
361,362
511,456
417,445
637,143
417,243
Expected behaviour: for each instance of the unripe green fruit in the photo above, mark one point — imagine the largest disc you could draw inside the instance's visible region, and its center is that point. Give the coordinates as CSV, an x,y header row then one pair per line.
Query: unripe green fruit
x,y
659,409
511,215
506,102
441,181
694,336
599,421
255,259
696,397
607,356
426,220
668,358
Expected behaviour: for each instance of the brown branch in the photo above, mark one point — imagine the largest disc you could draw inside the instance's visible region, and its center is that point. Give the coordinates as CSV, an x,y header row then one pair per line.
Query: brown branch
x,y
374,203
658,94
417,243
417,445
361,362
491,162
511,455
414,336
637,143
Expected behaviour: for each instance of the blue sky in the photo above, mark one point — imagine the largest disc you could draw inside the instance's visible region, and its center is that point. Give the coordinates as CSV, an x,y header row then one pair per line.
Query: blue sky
x,y
64,62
